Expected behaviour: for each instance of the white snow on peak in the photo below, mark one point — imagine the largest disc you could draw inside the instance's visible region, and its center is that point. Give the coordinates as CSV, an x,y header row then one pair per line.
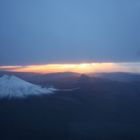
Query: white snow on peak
x,y
12,86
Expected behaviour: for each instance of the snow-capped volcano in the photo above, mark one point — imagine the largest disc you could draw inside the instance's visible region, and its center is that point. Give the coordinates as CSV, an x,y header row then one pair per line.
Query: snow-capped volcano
x,y
12,86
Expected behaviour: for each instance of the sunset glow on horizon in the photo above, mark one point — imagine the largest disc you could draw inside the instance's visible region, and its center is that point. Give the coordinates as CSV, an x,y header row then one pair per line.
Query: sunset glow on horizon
x,y
79,68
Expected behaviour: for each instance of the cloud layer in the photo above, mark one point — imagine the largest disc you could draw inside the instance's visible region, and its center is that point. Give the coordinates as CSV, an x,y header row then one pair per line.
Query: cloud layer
x,y
75,31
80,68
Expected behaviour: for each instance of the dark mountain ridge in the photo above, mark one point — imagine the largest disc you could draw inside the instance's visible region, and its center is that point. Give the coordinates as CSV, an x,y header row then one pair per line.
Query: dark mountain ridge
x,y
98,109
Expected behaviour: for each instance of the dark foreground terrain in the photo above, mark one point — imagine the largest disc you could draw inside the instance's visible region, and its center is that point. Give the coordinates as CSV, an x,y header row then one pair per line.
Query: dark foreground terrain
x,y
98,109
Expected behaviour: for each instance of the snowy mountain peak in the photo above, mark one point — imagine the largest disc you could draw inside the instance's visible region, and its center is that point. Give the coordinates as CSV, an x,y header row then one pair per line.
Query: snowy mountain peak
x,y
12,86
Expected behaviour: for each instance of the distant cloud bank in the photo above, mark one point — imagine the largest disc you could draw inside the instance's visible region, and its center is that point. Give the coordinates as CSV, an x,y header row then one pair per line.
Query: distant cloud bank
x,y
80,68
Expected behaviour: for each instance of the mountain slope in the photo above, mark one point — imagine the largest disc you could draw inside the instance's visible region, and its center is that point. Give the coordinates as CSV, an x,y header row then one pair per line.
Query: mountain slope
x,y
12,86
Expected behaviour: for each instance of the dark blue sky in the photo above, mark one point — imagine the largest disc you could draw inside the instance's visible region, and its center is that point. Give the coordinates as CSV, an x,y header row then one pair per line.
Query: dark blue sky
x,y
69,31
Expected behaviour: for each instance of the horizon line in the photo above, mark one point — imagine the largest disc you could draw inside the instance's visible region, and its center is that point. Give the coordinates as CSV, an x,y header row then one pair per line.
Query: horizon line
x,y
95,67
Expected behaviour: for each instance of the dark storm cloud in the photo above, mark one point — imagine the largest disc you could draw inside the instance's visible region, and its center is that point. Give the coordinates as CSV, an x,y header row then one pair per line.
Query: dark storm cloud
x,y
63,31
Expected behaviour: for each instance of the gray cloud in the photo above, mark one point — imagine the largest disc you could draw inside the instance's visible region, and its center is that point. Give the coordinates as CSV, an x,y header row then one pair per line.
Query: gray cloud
x,y
52,31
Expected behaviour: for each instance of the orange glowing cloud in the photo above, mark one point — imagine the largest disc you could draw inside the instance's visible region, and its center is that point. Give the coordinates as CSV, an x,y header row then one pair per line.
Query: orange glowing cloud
x,y
80,68
9,67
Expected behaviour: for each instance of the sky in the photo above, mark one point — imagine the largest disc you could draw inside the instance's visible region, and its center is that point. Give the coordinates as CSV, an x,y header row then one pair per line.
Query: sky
x,y
86,68
41,32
